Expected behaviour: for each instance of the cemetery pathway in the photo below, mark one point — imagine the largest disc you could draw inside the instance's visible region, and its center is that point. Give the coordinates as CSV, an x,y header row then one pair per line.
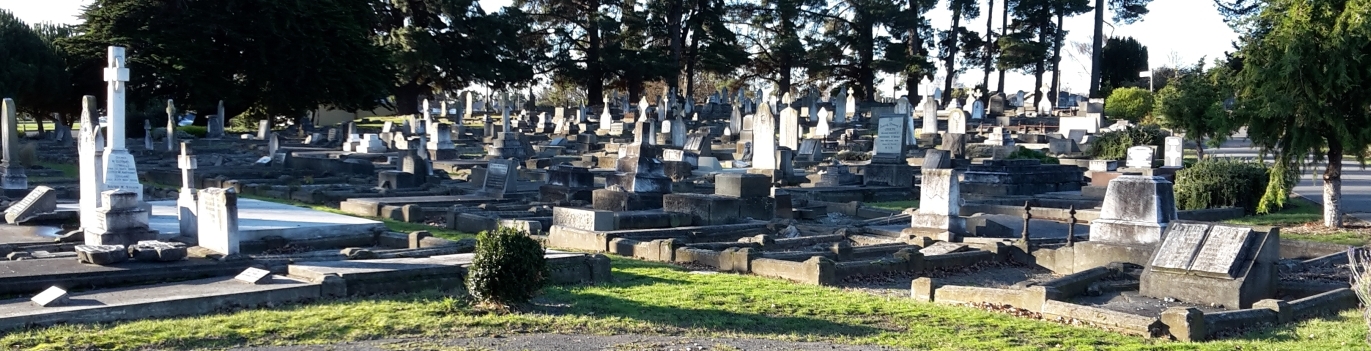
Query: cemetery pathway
x,y
564,342
1356,181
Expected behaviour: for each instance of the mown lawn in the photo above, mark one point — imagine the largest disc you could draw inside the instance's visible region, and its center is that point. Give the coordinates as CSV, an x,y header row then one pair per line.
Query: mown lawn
x,y
657,299
895,205
1299,212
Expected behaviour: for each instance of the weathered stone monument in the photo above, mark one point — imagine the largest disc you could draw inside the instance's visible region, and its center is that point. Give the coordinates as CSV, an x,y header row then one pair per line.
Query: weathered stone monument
x,y
120,171
501,176
185,200
120,220
14,182
1213,264
1174,156
1140,157
89,153
939,196
1136,210
763,141
218,220
41,200
888,166
215,126
171,125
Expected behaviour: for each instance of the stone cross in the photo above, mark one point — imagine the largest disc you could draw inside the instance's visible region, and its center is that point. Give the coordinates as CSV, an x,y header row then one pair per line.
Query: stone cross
x,y
504,113
120,170
185,202
15,181
428,112
216,124
116,75
147,134
171,125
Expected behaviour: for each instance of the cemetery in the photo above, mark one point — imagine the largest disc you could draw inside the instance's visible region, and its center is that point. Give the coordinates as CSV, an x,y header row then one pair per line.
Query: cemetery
x,y
742,184
434,175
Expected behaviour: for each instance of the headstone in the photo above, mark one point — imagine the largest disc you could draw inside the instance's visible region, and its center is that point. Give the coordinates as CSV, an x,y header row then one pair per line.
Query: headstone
x,y
39,201
14,181
120,171
930,116
1136,210
1213,264
583,219
810,150
977,110
678,133
1140,157
955,144
215,126
939,201
501,176
52,297
789,136
956,121
849,107
273,144
263,127
147,134
185,201
890,140
764,139
1000,137
218,220
253,275
1175,153
821,130
89,149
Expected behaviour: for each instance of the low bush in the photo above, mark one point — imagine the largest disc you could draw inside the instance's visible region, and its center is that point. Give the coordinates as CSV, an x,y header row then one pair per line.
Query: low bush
x,y
1222,182
1025,153
1113,145
28,155
509,267
196,131
853,156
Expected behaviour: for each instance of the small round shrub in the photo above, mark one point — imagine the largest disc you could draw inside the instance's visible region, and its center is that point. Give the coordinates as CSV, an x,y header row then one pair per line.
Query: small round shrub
x,y
853,156
509,267
1113,145
1025,153
1129,103
28,155
196,131
1222,182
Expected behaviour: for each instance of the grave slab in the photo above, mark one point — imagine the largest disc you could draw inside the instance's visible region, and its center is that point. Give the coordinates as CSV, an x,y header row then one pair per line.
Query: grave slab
x,y
258,219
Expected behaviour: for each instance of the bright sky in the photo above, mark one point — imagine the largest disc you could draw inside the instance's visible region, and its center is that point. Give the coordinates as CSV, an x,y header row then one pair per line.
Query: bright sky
x,y
1190,29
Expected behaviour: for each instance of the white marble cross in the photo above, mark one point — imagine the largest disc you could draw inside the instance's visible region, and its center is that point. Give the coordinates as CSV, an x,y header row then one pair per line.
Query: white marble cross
x,y
116,75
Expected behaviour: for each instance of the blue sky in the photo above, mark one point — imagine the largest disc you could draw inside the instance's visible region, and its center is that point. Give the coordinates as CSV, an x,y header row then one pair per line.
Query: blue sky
x,y
1174,30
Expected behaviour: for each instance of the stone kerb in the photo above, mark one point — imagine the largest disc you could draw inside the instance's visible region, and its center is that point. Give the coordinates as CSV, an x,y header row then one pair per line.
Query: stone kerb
x,y
815,271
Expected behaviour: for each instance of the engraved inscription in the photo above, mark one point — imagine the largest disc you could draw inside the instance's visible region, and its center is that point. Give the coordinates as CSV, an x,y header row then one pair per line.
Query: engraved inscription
x,y
888,135
1179,247
1222,250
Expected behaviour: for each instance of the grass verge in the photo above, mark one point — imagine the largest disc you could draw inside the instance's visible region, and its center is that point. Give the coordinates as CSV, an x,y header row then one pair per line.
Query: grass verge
x,y
657,299
1302,220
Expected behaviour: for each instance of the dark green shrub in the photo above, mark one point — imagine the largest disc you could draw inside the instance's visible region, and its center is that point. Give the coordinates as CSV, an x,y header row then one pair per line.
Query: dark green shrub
x,y
509,267
1025,153
1222,182
853,156
196,131
1114,145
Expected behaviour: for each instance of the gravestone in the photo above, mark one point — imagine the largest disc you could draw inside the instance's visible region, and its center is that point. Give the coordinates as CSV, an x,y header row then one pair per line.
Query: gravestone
x,y
147,134
1214,264
1140,157
52,297
850,107
185,201
39,201
120,170
1062,146
789,135
263,127
171,125
996,105
939,200
89,147
977,110
218,220
273,144
501,176
440,145
955,144
14,182
821,129
253,275
930,116
606,119
956,121
1136,210
890,140
214,128
120,220
1174,156
1000,137
810,150
764,140
583,219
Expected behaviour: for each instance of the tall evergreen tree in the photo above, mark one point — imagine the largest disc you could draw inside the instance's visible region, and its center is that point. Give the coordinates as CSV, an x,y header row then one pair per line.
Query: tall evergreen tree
x,y
1125,12
951,45
32,70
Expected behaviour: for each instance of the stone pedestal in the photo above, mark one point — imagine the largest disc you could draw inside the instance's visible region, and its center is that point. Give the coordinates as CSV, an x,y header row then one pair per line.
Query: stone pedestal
x,y
896,175
119,221
1136,210
939,202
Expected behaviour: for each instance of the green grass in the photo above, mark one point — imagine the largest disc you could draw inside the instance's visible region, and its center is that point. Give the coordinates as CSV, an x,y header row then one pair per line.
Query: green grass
x,y
1296,212
1340,238
394,225
895,205
656,299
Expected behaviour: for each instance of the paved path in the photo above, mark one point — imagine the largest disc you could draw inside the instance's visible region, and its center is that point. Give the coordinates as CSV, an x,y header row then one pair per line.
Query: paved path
x,y
1356,181
562,342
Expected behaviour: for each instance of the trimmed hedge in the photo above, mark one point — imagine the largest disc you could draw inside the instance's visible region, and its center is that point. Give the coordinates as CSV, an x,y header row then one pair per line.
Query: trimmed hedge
x,y
1222,182
509,267
1025,153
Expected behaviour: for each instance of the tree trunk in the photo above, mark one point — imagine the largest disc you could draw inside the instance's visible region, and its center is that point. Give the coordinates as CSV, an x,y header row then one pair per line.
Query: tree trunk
x,y
1332,186
1055,93
951,61
690,65
866,46
1004,30
1038,69
674,32
406,99
913,43
989,46
1199,149
595,76
1095,48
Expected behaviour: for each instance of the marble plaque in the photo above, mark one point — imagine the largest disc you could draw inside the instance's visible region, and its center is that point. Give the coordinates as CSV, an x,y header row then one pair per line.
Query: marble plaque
x,y
1222,251
253,275
1180,245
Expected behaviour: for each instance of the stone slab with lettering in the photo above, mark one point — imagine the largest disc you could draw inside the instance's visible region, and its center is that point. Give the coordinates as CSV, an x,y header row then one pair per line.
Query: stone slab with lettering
x,y
1213,264
101,254
593,220
52,297
253,275
218,220
1140,157
120,172
39,201
500,178
890,140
